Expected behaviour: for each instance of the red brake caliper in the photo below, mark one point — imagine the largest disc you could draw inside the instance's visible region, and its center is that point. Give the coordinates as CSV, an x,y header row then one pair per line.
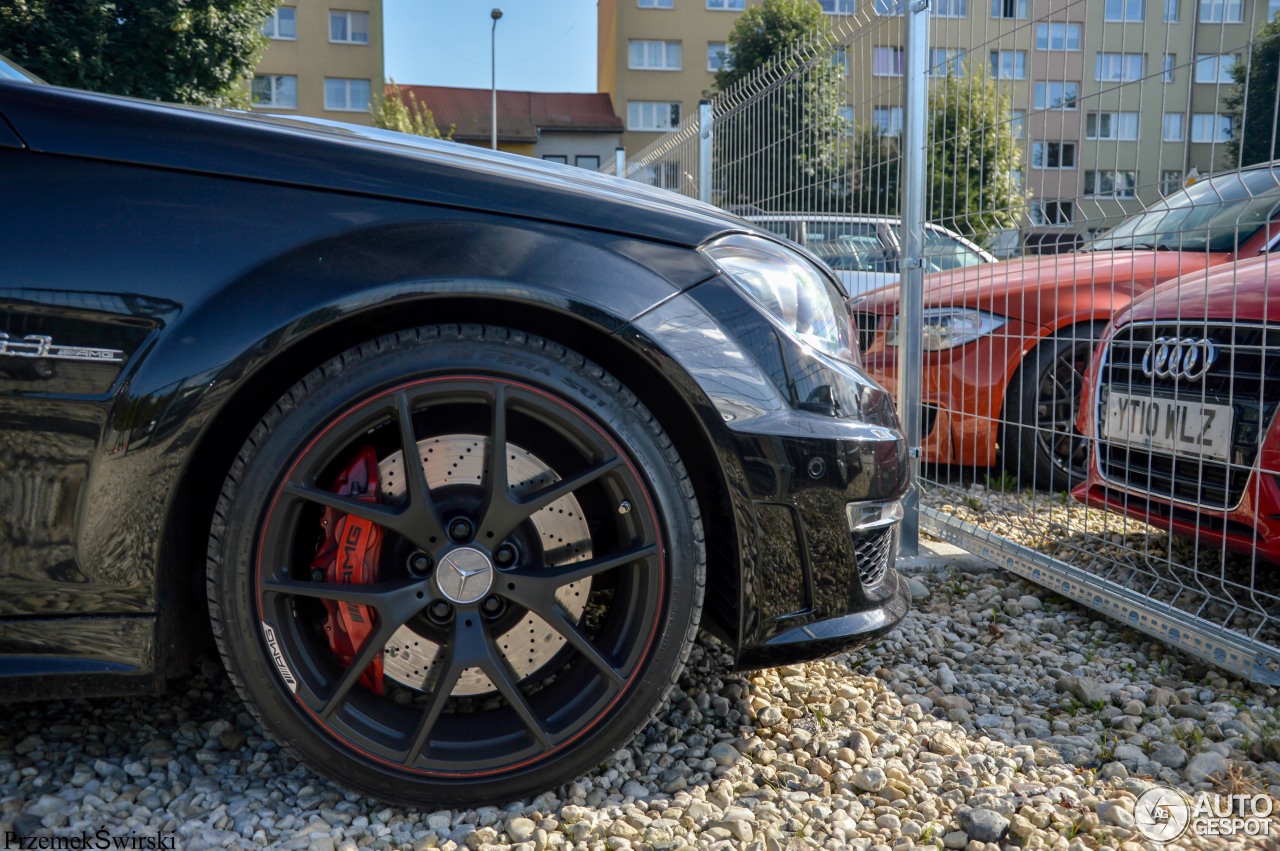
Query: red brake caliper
x,y
350,555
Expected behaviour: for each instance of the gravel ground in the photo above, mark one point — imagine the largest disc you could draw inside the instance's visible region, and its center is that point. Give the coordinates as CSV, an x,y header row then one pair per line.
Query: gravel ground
x,y
992,716
1227,588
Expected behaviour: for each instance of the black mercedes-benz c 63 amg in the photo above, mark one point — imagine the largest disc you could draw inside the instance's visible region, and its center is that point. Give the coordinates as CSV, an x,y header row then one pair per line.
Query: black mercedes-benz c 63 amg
x,y
450,452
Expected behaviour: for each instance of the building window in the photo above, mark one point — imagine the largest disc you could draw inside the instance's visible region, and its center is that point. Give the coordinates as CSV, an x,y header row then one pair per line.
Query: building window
x,y
1008,8
1056,95
840,59
1171,11
887,120
1221,11
1019,123
1122,10
1113,126
587,161
652,115
349,27
1173,129
1051,213
1048,155
887,61
946,62
275,90
718,56
949,8
838,7
1009,64
1215,67
1118,67
1210,127
281,24
653,55
846,120
346,95
727,5
1166,68
1170,181
656,4
556,158
1113,184
1057,36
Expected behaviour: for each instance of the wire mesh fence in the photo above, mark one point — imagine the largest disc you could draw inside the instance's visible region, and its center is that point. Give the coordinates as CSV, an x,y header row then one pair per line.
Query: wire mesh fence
x,y
1101,352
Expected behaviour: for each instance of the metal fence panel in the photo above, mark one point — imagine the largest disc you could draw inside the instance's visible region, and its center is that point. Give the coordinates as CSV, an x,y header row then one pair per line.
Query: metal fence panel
x,y
1099,372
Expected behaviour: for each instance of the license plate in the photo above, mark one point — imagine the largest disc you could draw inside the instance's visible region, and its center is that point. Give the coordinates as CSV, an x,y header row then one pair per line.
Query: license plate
x,y
1174,426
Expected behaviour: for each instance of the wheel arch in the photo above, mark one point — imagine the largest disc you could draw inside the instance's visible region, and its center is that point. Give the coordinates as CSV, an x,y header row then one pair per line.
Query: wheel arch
x,y
1081,320
185,537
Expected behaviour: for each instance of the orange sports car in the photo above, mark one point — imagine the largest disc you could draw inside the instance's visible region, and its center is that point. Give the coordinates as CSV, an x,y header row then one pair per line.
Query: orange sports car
x,y
1006,344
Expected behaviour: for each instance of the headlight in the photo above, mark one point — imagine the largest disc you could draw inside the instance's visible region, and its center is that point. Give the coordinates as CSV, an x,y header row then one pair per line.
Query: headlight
x,y
789,288
948,327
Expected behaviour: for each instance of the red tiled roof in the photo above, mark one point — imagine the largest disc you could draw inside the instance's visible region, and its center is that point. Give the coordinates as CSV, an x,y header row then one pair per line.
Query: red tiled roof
x,y
520,114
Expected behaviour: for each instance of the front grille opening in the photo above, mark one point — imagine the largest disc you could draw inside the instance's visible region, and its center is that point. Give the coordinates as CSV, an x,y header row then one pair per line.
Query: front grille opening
x,y
1245,376
871,552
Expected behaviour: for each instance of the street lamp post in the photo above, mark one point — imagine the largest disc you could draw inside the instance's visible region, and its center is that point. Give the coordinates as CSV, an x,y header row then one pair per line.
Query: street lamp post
x,y
493,69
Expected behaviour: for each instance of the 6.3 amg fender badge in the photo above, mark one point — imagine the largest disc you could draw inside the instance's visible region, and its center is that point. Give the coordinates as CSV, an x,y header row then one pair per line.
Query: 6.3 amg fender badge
x,y
278,657
38,346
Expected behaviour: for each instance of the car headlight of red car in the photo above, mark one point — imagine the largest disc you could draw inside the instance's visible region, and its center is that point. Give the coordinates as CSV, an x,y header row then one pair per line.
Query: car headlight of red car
x,y
949,327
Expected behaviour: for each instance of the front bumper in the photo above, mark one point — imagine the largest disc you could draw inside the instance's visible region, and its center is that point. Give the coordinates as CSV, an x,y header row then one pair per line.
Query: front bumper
x,y
799,439
1253,527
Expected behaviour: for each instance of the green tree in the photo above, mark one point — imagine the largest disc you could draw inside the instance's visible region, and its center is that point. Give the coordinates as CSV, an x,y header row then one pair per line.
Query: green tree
x,y
972,154
184,51
1253,101
974,157
784,150
398,109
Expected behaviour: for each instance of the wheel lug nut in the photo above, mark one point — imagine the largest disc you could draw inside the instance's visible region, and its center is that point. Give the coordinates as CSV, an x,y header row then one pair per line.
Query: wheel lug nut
x,y
460,529
420,564
505,555
440,610
492,605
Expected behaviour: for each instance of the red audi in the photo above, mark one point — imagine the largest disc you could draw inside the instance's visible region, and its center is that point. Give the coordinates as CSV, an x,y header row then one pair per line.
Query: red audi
x,y
1180,409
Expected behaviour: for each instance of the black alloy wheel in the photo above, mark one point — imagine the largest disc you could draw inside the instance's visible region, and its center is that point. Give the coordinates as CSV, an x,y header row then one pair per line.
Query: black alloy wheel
x,y
1041,443
537,576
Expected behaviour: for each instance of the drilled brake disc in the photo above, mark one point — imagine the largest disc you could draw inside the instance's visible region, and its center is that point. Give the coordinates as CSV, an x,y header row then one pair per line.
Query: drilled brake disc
x,y
412,659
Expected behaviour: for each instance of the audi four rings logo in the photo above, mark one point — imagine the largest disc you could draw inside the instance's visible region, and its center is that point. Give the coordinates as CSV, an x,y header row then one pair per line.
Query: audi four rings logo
x,y
1171,357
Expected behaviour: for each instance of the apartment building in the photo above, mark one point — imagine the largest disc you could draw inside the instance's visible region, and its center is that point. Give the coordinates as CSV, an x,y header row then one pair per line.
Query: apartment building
x,y
324,59
1116,101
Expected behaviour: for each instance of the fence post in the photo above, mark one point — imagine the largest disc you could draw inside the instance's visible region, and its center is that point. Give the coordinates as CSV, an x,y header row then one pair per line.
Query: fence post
x,y
911,318
620,160
704,151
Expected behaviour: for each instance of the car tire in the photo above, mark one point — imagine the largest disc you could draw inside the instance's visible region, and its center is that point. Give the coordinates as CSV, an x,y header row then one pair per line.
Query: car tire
x,y
591,540
1040,442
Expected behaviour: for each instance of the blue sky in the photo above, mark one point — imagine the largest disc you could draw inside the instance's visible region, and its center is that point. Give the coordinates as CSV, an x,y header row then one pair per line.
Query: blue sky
x,y
543,45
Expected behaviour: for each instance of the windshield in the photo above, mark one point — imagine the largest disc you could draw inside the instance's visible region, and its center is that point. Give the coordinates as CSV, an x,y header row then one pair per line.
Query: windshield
x,y
943,252
1213,215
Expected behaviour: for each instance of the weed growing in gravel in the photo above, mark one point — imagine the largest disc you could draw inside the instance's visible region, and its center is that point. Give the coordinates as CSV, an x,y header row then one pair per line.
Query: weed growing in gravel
x,y
1004,483
1107,748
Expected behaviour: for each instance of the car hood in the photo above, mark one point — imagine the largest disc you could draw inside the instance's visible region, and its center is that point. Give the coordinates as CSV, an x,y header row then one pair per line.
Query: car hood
x,y
1022,288
333,156
1248,291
